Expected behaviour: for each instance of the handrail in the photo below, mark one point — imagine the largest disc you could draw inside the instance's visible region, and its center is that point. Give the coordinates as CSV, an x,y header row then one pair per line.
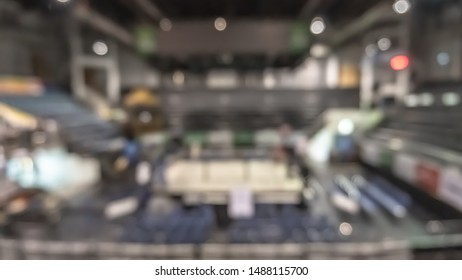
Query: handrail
x,y
318,124
438,153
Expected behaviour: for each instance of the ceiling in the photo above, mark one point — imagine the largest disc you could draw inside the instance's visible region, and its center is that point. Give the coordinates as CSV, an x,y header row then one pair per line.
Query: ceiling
x,y
129,13
336,11
230,8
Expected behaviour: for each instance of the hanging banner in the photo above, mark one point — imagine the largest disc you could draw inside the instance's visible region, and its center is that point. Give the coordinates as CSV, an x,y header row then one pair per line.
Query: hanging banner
x,y
349,76
450,188
241,203
370,153
405,167
146,39
299,37
428,176
386,159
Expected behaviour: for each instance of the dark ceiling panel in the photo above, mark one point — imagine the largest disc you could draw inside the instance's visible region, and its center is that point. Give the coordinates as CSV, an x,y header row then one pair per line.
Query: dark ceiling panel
x,y
341,12
232,8
118,11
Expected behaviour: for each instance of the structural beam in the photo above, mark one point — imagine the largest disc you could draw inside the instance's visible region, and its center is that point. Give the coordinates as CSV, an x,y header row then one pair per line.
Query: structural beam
x,y
150,8
103,24
309,9
380,13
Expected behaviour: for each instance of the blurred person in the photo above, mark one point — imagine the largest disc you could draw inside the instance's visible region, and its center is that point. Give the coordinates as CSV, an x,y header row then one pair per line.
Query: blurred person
x,y
172,147
294,150
151,170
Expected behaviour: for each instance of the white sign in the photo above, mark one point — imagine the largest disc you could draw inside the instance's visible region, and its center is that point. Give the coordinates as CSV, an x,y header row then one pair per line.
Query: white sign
x,y
143,173
120,208
405,167
370,153
450,188
241,203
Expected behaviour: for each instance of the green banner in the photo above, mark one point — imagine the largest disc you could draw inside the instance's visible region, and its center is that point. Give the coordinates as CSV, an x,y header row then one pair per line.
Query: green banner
x,y
299,37
196,138
386,159
244,138
146,39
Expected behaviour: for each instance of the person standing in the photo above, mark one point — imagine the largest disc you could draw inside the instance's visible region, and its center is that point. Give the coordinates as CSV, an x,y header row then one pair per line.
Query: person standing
x,y
294,147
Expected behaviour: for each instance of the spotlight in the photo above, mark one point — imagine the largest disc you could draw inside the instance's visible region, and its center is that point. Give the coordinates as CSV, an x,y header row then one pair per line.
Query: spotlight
x,y
319,50
220,24
178,78
346,127
426,99
371,50
269,81
443,59
451,99
402,6
411,100
318,26
384,44
346,229
100,48
165,24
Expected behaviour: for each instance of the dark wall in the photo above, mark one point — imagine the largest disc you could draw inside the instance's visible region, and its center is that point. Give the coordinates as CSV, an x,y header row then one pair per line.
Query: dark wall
x,y
301,106
200,37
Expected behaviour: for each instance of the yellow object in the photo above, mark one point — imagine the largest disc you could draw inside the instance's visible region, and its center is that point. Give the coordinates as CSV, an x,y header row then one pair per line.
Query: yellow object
x,y
349,76
20,86
17,118
140,97
121,164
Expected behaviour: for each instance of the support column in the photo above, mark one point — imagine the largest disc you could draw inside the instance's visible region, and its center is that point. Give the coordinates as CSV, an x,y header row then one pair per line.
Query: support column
x,y
81,61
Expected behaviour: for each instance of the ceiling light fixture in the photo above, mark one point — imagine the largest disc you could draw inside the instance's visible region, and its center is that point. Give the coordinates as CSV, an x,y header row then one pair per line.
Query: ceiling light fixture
x,y
371,50
220,24
165,24
402,6
319,50
318,26
100,48
178,78
384,44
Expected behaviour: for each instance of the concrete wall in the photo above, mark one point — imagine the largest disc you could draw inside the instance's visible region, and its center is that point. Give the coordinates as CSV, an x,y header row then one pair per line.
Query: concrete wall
x,y
135,71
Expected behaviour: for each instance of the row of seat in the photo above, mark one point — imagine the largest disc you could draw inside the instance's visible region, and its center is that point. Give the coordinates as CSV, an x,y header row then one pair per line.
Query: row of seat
x,y
82,131
270,224
448,117
179,227
248,120
430,125
448,140
280,224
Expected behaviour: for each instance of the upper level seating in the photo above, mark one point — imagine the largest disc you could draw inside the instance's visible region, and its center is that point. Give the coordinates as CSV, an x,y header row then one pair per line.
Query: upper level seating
x,y
436,124
81,130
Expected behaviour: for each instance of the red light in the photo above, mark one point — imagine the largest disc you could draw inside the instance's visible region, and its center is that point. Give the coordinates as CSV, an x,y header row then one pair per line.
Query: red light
x,y
399,62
